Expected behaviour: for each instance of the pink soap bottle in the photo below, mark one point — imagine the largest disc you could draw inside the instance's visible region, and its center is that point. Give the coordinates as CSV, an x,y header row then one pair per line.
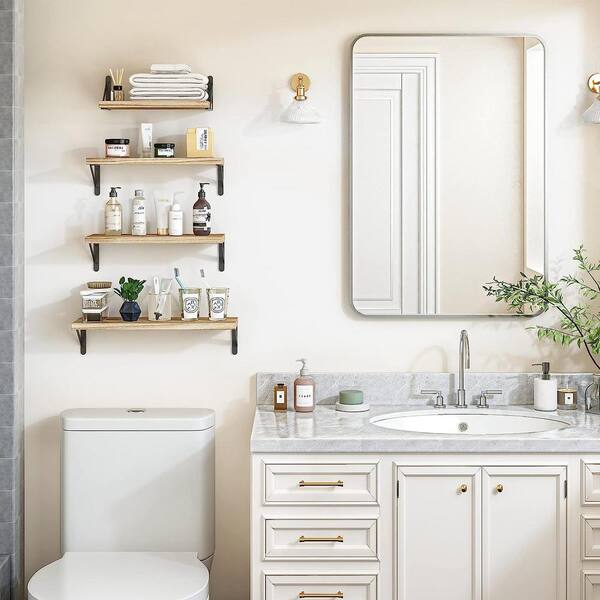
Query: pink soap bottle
x,y
304,390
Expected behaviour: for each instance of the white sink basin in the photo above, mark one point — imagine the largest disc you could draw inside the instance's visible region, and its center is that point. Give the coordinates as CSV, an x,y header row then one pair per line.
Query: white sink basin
x,y
465,422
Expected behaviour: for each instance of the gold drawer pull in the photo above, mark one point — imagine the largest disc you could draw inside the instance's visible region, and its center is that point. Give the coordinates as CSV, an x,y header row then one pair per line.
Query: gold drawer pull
x,y
321,595
338,483
337,538
499,488
462,489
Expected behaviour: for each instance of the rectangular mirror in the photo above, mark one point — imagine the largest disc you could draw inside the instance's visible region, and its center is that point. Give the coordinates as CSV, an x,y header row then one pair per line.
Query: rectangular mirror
x,y
448,170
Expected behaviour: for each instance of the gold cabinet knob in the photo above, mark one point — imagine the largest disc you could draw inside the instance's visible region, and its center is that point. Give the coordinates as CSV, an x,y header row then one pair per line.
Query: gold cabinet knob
x,y
499,488
463,488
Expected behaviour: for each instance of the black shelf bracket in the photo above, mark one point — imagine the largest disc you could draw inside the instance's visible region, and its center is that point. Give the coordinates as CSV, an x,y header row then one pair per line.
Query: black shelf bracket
x,y
95,169
220,177
82,337
234,341
95,252
222,257
210,91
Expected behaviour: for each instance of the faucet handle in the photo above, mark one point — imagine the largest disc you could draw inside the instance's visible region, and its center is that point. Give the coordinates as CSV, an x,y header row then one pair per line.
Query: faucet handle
x,y
439,398
483,403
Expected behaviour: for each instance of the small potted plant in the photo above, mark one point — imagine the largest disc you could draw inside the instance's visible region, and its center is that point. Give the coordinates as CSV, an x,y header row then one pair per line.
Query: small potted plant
x,y
130,290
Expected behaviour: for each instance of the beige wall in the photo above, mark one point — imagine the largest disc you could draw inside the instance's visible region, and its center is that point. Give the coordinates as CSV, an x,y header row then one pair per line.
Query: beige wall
x,y
285,210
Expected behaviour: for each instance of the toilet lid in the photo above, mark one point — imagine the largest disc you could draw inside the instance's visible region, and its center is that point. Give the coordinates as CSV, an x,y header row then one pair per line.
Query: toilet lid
x,y
122,576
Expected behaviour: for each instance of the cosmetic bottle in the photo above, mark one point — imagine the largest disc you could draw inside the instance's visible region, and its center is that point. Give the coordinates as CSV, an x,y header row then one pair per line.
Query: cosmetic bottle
x,y
113,214
280,396
176,220
304,390
163,206
138,214
544,389
201,218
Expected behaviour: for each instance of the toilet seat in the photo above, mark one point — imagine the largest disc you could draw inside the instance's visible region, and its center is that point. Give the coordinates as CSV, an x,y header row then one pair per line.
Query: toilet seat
x,y
121,576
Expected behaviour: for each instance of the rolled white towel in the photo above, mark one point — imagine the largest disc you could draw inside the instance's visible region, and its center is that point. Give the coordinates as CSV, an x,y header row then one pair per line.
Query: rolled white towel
x,y
144,79
170,68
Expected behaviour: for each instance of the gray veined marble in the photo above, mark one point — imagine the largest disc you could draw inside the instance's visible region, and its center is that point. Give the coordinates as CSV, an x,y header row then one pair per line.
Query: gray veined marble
x,y
327,430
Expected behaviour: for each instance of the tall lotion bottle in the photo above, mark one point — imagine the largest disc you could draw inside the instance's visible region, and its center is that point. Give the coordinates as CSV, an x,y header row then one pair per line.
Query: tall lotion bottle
x,y
113,214
304,390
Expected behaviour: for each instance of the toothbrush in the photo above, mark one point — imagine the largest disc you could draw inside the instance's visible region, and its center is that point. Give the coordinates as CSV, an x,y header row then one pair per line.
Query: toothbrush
x,y
165,289
156,283
177,278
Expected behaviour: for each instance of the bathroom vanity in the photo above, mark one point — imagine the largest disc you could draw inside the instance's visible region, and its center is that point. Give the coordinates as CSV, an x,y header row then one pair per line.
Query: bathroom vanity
x,y
345,508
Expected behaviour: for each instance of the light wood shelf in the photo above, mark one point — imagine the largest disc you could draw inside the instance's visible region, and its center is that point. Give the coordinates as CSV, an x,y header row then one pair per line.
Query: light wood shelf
x,y
101,160
81,327
155,105
95,162
96,239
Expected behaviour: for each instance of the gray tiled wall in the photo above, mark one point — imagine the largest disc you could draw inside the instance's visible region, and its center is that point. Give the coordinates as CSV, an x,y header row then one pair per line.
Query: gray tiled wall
x,y
11,299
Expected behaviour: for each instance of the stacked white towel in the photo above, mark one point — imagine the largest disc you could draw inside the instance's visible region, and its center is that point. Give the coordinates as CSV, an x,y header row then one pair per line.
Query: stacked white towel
x,y
169,82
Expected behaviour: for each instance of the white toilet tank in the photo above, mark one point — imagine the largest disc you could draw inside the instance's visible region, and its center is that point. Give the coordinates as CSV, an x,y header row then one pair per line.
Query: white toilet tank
x,y
138,480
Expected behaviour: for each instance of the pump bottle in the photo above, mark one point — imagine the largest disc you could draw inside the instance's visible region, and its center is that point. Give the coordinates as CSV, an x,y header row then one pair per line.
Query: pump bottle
x,y
201,213
113,214
304,390
544,389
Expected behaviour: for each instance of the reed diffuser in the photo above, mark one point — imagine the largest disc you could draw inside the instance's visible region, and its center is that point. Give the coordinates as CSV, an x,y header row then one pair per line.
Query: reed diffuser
x,y
117,88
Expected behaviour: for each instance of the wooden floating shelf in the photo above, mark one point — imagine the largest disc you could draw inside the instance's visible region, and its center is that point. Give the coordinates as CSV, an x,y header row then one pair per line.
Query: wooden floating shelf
x,y
96,239
94,163
81,327
155,105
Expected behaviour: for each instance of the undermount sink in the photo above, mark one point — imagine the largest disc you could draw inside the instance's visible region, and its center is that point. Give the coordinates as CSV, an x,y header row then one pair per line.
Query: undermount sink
x,y
468,423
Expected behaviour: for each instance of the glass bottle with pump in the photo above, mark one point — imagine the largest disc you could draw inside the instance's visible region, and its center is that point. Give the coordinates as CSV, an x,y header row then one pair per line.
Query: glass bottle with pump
x,y
201,212
113,214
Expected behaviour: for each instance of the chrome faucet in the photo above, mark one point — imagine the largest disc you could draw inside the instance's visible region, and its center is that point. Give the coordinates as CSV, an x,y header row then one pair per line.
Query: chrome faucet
x,y
464,362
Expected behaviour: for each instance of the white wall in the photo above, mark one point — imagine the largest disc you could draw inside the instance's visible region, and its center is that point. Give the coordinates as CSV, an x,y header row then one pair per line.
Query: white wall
x,y
285,211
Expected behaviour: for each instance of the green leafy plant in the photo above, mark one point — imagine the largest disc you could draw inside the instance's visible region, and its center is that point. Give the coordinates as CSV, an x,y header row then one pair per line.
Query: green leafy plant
x,y
579,324
130,288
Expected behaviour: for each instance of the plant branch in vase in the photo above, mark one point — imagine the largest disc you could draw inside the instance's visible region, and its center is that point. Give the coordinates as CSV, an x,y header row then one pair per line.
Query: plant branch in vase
x,y
578,322
130,290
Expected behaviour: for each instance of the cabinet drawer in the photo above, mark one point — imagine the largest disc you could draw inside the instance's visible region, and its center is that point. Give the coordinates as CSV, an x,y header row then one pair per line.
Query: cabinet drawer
x,y
327,587
320,483
590,483
321,538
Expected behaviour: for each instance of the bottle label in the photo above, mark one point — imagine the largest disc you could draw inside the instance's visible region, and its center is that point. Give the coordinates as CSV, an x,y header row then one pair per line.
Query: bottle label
x,y
201,217
304,396
279,397
202,138
112,221
138,220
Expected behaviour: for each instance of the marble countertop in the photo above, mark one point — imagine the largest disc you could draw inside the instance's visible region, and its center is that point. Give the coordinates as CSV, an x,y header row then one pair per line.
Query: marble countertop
x,y
327,430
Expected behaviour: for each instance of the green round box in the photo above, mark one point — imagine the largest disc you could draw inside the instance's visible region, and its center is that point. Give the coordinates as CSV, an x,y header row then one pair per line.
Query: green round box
x,y
351,397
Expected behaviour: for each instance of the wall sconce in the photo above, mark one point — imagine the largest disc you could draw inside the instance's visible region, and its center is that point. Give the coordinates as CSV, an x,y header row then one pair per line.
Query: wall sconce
x,y
300,111
592,114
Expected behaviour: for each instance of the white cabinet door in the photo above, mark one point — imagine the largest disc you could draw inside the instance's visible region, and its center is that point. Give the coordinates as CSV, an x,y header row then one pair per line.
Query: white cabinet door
x,y
439,553
524,533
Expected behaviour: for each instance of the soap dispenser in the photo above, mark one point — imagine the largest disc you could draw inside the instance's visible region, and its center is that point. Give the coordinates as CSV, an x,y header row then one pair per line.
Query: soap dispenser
x,y
544,389
304,390
201,213
113,214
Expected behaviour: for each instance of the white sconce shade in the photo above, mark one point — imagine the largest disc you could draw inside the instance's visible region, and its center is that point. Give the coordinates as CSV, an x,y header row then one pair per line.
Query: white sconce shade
x,y
592,114
300,111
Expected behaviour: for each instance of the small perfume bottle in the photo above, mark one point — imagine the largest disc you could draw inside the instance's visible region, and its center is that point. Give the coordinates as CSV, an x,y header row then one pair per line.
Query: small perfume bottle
x,y
280,396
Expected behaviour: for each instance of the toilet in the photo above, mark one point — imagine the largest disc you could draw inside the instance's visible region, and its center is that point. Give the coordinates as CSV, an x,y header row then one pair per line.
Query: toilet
x,y
137,506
